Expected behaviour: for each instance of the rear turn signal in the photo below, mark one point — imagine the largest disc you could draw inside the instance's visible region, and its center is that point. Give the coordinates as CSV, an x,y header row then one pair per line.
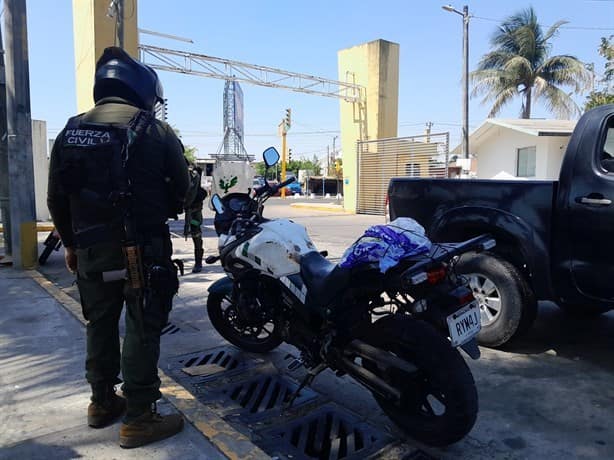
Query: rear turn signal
x,y
436,275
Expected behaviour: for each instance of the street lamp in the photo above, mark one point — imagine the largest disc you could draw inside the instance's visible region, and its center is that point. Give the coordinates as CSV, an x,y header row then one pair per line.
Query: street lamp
x,y
465,16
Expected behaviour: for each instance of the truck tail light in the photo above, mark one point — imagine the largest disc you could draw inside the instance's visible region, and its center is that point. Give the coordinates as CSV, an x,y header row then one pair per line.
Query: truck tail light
x,y
436,275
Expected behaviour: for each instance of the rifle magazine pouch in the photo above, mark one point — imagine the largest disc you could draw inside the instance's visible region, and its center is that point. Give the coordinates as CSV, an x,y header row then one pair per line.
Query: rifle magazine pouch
x,y
163,282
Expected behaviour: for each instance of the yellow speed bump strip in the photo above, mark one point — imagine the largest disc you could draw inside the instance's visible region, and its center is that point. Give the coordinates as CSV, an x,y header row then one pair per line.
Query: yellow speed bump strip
x,y
40,228
322,207
233,444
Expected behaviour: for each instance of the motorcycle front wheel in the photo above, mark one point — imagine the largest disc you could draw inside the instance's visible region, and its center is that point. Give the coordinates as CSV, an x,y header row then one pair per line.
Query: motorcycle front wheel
x,y
260,337
439,402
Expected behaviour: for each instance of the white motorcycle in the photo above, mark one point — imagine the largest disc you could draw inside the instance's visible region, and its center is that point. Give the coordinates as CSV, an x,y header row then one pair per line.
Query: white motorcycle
x,y
396,333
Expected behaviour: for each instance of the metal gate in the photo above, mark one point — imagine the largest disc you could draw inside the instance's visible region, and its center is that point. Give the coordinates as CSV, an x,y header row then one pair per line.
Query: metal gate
x,y
382,159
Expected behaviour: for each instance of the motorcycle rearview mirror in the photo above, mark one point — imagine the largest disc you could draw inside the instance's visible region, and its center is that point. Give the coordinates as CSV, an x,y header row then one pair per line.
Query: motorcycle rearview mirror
x,y
271,157
216,201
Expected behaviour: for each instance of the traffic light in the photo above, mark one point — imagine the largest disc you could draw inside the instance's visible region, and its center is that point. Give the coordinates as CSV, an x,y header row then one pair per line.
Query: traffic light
x,y
337,165
289,154
288,118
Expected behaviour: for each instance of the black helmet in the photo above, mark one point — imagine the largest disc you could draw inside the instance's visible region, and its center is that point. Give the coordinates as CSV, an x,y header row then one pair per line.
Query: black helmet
x,y
117,74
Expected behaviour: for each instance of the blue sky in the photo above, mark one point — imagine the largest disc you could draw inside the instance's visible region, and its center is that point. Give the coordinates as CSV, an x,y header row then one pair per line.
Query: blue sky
x,y
305,37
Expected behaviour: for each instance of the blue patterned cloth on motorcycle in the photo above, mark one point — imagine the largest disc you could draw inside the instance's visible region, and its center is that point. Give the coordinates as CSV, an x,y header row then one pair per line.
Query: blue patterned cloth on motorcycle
x,y
387,244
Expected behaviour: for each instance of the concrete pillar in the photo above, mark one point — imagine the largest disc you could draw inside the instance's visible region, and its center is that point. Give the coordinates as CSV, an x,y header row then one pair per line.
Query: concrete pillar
x,y
41,168
375,66
93,32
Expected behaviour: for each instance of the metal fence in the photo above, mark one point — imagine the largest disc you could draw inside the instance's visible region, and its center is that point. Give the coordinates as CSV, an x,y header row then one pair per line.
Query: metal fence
x,y
382,159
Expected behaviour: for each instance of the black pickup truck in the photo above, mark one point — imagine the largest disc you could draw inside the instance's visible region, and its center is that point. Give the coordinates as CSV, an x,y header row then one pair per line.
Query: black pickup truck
x,y
555,239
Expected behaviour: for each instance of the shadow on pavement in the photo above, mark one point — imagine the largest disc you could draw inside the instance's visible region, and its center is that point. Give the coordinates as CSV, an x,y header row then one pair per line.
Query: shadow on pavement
x,y
558,333
34,450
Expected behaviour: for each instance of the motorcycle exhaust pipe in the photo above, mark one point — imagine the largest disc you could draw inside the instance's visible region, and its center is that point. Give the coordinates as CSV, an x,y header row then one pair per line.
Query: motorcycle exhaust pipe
x,y
381,357
369,379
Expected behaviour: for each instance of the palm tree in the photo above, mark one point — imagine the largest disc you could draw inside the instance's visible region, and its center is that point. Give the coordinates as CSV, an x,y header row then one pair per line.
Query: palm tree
x,y
519,65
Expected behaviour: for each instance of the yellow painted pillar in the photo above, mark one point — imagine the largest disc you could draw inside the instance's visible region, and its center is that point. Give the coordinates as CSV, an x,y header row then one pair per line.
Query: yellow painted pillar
x,y
374,66
93,32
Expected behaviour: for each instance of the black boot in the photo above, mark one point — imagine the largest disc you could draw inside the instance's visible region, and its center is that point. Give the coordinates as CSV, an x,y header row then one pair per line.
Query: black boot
x,y
198,254
106,406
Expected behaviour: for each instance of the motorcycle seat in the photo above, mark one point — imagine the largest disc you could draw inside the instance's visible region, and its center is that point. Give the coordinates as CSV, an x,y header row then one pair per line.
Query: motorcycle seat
x,y
324,280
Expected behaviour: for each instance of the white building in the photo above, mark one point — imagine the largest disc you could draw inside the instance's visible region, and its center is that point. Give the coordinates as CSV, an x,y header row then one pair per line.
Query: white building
x,y
519,148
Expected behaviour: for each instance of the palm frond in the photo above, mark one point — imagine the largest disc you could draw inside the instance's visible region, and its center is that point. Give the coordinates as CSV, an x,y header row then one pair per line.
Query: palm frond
x,y
566,70
495,59
491,81
559,102
502,99
553,30
520,67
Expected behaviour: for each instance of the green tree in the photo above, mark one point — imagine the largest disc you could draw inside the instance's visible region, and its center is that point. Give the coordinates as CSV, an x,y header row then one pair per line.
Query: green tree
x,y
519,65
190,153
311,166
189,150
603,94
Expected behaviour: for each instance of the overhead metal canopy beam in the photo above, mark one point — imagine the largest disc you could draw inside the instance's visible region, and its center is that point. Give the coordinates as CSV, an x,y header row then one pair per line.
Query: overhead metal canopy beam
x,y
225,69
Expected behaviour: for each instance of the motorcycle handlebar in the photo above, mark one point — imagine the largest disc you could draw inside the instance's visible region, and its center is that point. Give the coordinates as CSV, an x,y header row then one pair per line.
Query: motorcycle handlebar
x,y
286,182
274,188
260,190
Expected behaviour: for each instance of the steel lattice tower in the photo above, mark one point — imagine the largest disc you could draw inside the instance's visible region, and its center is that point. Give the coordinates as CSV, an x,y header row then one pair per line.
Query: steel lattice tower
x,y
233,122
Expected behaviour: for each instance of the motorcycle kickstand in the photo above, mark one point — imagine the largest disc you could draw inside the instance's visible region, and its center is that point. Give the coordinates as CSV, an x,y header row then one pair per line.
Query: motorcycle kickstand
x,y
306,381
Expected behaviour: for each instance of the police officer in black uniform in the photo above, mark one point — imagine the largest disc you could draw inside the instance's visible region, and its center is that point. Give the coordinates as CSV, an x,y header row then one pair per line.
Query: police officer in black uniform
x,y
111,168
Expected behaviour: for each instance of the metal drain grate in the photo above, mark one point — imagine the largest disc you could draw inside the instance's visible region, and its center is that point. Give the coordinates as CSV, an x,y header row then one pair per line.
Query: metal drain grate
x,y
329,432
194,369
265,394
170,329
222,358
419,455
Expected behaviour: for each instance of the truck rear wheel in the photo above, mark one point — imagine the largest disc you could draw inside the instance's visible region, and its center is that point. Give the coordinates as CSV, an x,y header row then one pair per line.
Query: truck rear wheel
x,y
507,304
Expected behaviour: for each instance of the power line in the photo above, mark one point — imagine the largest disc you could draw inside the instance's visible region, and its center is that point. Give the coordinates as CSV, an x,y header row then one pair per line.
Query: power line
x,y
300,133
562,27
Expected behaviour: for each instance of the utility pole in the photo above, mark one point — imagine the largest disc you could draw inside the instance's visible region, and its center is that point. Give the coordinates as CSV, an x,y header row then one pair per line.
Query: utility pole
x,y
427,131
283,160
284,126
19,129
120,23
4,161
465,130
116,10
466,80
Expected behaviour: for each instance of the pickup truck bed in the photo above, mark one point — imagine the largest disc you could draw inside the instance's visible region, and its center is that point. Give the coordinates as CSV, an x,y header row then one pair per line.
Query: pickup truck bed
x,y
454,210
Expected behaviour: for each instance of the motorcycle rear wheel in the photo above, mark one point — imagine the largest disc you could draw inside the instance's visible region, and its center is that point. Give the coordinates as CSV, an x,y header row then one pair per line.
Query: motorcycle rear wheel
x,y
219,317
439,402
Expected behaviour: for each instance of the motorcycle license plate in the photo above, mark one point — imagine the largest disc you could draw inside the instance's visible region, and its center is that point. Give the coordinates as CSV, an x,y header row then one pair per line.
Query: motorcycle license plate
x,y
464,324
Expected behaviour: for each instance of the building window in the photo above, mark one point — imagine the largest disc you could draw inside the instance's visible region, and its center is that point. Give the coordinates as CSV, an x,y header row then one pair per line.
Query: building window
x,y
526,162
412,169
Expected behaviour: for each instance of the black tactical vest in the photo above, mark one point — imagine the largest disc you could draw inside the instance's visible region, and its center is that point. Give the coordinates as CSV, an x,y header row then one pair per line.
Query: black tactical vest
x,y
92,174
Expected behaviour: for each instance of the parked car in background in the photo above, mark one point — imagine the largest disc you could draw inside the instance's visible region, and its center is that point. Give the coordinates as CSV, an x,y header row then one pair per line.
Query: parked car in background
x,y
293,188
258,181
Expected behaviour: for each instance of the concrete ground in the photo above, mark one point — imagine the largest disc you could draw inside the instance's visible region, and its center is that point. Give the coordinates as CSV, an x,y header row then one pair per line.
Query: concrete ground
x,y
549,395
43,392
